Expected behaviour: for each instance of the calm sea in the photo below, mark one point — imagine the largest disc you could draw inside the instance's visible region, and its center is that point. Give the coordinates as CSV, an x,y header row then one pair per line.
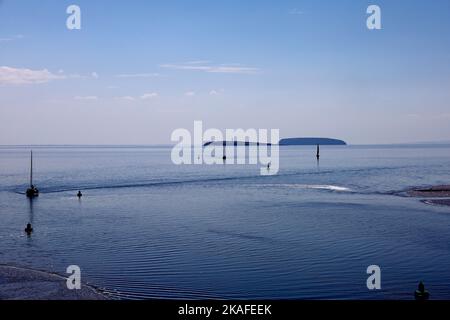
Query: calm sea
x,y
146,228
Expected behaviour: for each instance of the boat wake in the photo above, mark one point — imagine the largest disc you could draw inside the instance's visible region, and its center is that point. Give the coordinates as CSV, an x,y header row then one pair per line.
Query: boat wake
x,y
309,186
149,184
144,184
48,186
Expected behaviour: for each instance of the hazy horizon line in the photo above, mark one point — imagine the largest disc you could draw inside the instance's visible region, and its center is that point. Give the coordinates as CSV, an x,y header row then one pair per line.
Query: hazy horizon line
x,y
173,144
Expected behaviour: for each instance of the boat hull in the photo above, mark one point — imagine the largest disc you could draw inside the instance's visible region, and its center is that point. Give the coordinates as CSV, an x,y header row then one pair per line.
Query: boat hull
x,y
32,193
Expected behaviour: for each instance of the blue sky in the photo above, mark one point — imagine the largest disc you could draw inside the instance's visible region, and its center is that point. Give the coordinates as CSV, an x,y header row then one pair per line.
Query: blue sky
x,y
137,70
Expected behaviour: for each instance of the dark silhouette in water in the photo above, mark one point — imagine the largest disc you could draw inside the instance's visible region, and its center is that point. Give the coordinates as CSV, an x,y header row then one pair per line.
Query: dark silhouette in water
x,y
421,293
224,150
29,229
79,194
318,152
31,210
32,191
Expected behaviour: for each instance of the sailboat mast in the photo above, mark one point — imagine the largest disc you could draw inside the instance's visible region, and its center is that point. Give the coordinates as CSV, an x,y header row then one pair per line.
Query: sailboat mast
x,y
31,172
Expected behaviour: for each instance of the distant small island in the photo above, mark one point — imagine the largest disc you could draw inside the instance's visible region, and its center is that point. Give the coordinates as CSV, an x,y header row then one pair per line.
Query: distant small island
x,y
284,142
311,142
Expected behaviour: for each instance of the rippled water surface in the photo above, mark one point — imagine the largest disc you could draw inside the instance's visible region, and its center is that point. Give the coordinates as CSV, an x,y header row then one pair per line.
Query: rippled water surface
x,y
146,228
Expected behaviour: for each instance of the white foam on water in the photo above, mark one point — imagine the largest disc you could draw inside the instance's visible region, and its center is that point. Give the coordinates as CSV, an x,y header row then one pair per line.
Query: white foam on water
x,y
330,187
310,186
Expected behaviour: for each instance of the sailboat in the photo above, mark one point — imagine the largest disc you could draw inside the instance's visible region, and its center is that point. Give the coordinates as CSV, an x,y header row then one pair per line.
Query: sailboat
x,y
32,191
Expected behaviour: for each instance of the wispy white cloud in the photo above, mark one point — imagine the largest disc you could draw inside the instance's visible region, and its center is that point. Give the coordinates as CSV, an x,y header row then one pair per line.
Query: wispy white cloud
x,y
186,67
231,69
190,94
126,98
296,12
86,98
198,62
216,92
76,76
11,38
138,75
199,66
150,95
22,76
92,75
145,96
